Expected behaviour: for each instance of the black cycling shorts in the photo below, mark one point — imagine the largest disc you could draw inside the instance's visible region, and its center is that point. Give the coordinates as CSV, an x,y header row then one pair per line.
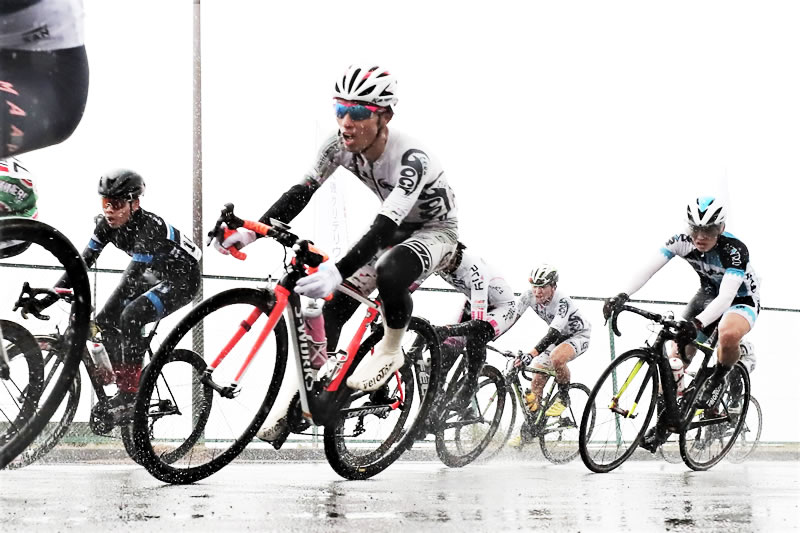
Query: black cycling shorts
x,y
43,97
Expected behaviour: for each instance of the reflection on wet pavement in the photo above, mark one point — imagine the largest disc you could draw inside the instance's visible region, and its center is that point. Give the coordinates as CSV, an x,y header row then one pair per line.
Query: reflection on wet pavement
x,y
641,496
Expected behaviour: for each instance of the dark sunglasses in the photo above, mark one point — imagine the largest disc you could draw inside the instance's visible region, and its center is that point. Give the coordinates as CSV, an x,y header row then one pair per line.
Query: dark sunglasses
x,y
713,230
115,203
357,111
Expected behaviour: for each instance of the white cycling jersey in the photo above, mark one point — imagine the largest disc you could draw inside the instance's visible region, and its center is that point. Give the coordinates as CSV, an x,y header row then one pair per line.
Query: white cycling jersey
x,y
45,25
560,314
490,297
407,179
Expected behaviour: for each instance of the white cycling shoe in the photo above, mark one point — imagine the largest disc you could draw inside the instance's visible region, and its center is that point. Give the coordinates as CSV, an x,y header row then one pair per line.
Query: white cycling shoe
x,y
377,368
276,425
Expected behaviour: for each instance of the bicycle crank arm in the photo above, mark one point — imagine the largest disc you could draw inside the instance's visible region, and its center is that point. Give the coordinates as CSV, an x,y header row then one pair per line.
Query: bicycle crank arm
x,y
228,391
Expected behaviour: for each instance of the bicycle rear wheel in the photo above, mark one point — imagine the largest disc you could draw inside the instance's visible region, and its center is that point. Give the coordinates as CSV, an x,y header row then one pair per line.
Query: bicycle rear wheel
x,y
712,432
58,246
749,436
462,437
622,403
187,427
558,437
62,419
375,428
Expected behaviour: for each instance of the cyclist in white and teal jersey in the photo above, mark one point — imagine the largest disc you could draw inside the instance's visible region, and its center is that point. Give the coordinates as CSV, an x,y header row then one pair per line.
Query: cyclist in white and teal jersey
x,y
566,338
17,198
729,290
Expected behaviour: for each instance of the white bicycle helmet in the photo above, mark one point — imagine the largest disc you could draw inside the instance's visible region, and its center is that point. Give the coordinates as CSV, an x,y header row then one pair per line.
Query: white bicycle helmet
x,y
370,84
706,211
543,275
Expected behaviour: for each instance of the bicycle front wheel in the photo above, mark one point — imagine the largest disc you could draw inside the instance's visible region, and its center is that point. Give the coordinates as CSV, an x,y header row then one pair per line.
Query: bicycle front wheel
x,y
62,419
376,427
23,384
749,436
56,245
622,404
463,436
558,436
190,421
712,432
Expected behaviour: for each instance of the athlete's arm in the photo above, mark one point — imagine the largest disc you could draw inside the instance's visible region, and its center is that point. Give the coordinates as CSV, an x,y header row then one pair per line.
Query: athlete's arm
x,y
648,270
292,202
377,237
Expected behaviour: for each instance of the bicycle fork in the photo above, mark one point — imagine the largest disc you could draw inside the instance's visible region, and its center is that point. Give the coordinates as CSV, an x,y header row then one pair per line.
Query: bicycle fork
x,y
614,405
5,371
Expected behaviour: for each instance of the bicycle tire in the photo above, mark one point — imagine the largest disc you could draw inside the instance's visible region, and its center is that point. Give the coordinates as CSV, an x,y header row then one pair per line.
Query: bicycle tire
x,y
604,415
49,238
352,466
25,381
52,434
568,421
183,469
744,448
459,455
697,439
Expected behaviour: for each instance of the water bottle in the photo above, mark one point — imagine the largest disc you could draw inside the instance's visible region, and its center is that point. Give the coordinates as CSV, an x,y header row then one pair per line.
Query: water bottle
x,y
104,373
677,372
315,331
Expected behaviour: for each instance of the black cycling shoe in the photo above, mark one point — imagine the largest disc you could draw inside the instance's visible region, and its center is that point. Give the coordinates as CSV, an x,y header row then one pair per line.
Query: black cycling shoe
x,y
654,438
712,392
120,408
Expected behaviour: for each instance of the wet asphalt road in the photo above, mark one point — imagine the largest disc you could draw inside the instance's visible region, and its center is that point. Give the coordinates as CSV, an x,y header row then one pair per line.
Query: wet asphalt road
x,y
409,496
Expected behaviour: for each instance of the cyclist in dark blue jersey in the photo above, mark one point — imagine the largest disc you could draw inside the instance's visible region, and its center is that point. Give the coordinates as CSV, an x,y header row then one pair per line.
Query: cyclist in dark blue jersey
x,y
728,297
163,276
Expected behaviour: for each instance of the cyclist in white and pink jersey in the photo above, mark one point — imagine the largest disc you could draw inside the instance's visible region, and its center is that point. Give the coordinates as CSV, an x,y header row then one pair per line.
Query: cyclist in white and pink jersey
x,y
415,230
490,310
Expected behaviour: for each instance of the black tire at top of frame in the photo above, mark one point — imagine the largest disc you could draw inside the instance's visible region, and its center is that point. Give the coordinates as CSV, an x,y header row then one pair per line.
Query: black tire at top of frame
x,y
42,446
457,461
687,458
49,238
22,344
146,456
590,421
403,440
648,366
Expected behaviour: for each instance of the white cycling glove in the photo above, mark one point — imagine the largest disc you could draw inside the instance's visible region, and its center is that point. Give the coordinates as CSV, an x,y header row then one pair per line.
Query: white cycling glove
x,y
321,283
239,239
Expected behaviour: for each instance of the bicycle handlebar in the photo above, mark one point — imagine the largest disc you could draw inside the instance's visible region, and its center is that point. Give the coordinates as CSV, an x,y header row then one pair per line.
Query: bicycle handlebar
x,y
304,250
28,303
673,325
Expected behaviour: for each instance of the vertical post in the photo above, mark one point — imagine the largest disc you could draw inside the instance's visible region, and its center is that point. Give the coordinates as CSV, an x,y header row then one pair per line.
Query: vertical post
x,y
614,381
197,190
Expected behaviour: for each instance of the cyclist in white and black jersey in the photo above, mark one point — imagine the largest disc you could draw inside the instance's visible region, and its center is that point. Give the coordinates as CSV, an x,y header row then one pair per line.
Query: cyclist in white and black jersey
x,y
728,297
490,310
44,73
566,338
412,236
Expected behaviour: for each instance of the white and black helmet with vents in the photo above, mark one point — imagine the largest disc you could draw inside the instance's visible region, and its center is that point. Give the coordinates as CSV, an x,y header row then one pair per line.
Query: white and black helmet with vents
x,y
706,211
543,275
368,83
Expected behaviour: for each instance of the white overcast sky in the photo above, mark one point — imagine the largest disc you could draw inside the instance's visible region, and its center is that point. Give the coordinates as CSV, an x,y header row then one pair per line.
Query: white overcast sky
x,y
571,132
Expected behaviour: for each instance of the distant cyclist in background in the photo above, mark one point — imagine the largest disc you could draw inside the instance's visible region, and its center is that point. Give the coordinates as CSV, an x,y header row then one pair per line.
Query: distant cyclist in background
x,y
17,198
489,311
728,297
163,276
566,338
44,73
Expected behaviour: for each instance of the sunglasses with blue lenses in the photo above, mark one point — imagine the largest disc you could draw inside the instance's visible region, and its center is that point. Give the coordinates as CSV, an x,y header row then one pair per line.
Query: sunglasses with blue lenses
x,y
357,111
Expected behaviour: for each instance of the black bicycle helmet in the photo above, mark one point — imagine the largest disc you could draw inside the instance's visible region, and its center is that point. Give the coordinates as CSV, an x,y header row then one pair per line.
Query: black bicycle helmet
x,y
121,183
